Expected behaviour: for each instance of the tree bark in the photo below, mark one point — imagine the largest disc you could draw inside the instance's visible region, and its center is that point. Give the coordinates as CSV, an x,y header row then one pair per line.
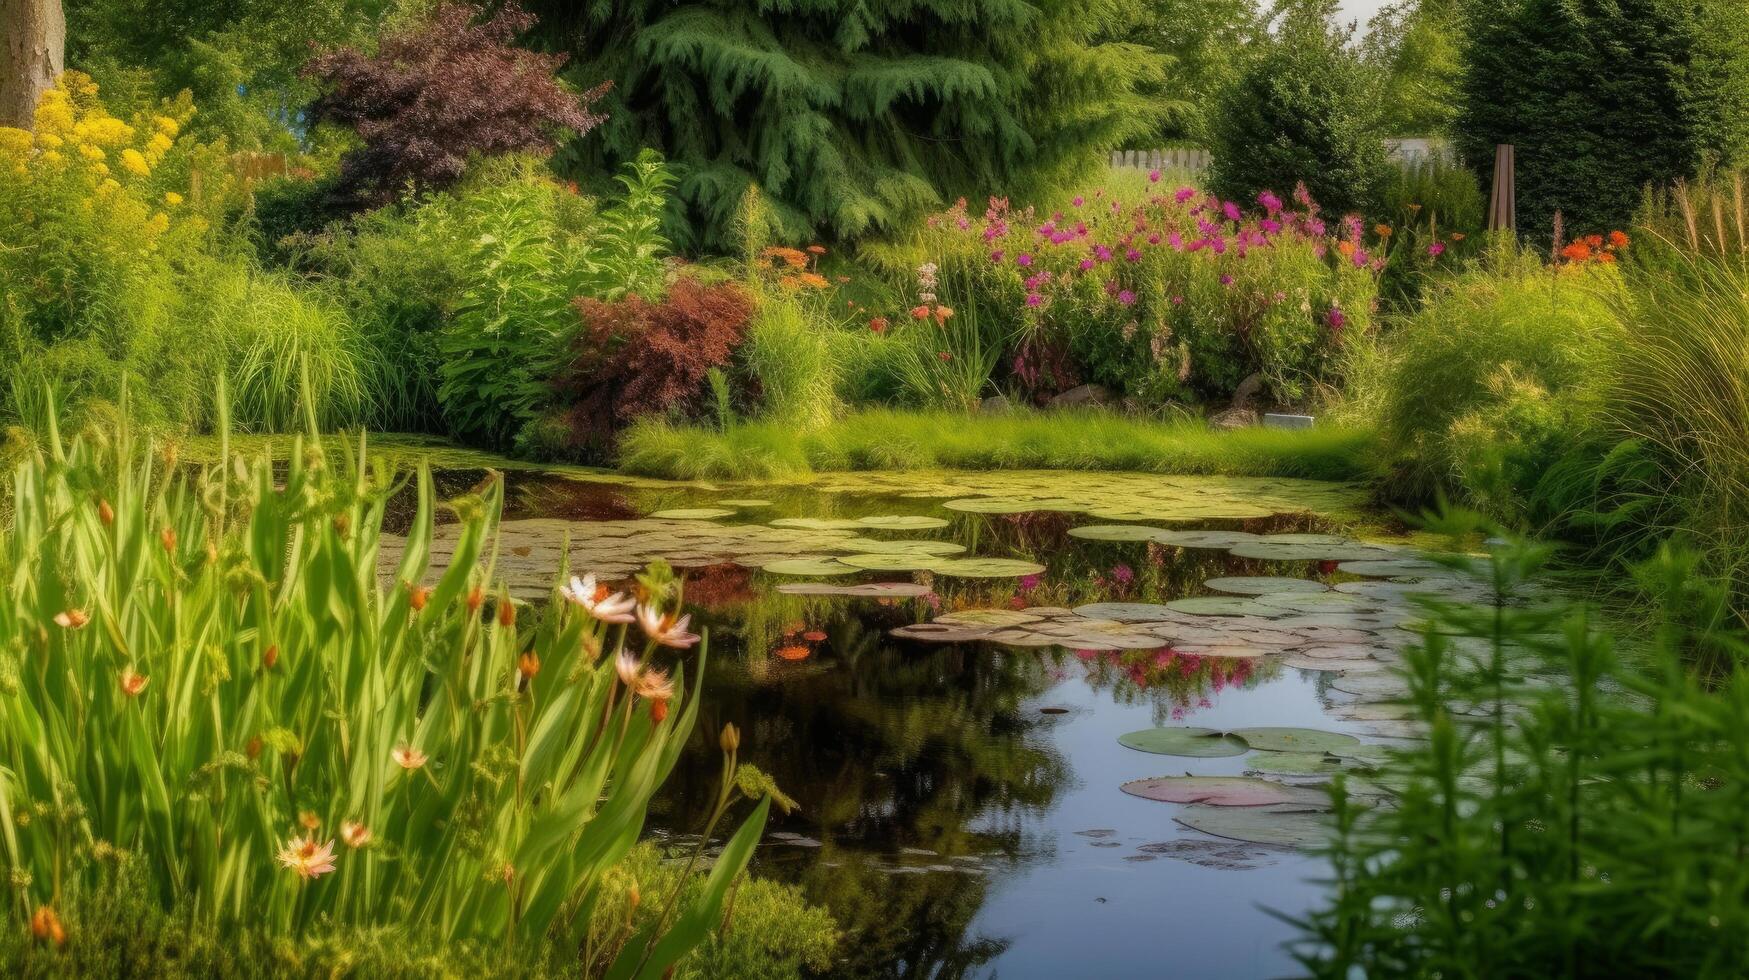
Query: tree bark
x,y
33,41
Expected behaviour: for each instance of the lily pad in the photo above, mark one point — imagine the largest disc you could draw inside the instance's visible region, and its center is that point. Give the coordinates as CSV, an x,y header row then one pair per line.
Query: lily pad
x,y
693,514
1294,739
1264,585
1009,505
902,522
897,562
1126,612
1194,743
1218,605
1292,764
745,502
1220,791
1282,825
1396,568
817,523
1213,540
873,590
1302,602
809,566
986,567
987,617
1115,532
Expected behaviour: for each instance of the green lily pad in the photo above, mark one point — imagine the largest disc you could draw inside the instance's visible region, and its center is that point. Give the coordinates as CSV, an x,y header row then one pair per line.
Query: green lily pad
x,y
1221,791
1126,612
870,590
1317,602
901,522
745,502
988,617
1292,764
897,562
809,566
1219,605
693,514
1397,567
817,523
875,546
1264,585
1115,532
1194,743
1267,550
1213,540
1294,739
1282,825
1008,505
985,567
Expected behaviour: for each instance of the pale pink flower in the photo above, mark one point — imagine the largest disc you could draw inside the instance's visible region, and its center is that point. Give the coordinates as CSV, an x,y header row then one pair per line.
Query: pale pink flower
x,y
598,601
408,757
304,856
665,629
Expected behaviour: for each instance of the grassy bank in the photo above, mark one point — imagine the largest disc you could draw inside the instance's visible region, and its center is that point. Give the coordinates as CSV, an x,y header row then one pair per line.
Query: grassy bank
x,y
901,440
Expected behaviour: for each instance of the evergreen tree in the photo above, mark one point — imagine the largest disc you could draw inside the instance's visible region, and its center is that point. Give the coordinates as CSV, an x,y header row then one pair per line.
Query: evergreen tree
x,y
1415,45
1204,42
849,116
1601,98
1304,109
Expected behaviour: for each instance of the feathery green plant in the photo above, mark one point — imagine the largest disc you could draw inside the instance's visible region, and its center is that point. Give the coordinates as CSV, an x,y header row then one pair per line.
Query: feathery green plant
x,y
1572,812
208,679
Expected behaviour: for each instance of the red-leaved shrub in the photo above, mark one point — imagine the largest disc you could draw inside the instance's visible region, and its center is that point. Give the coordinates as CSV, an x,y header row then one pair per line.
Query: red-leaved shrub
x,y
438,92
641,357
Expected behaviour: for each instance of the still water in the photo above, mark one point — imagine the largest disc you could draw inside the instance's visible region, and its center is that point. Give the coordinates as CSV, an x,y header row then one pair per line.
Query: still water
x,y
960,804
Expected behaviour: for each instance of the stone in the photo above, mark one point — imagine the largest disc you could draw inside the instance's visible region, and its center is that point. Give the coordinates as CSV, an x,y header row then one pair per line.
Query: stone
x,y
996,405
1247,391
1275,421
1081,395
1233,418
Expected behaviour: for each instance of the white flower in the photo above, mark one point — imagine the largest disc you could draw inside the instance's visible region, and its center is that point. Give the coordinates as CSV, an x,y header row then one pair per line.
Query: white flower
x,y
598,601
665,629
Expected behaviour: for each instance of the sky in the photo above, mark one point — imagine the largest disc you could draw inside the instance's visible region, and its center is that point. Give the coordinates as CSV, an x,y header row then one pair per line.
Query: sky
x,y
1361,10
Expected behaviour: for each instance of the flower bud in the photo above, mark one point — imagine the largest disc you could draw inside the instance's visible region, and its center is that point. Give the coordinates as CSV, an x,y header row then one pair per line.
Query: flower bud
x,y
46,925
167,538
658,711
730,739
528,665
105,513
270,656
506,613
476,598
417,595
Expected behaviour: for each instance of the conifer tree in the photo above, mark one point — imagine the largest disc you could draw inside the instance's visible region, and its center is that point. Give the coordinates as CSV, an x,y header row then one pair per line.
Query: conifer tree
x,y
849,115
1601,98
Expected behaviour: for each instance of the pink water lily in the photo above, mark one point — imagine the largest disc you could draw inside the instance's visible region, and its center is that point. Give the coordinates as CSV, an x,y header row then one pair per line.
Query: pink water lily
x,y
665,629
308,859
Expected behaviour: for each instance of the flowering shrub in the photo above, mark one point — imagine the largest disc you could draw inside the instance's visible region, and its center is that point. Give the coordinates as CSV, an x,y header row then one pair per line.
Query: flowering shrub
x,y
230,700
1176,294
1595,248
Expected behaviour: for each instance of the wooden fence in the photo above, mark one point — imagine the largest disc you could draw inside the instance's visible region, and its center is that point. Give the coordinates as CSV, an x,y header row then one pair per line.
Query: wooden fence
x,y
1407,152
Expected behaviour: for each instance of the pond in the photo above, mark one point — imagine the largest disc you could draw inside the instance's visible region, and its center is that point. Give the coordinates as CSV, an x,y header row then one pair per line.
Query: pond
x,y
938,667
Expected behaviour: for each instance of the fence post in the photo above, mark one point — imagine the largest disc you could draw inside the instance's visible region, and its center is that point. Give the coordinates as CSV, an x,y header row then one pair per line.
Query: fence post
x,y
1503,202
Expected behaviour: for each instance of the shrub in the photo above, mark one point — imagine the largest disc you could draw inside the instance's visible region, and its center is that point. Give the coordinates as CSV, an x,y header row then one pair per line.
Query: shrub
x,y
1493,380
636,356
1567,83
436,93
1302,110
850,124
331,748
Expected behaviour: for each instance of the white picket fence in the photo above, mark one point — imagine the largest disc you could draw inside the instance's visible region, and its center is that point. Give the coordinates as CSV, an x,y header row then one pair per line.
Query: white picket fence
x,y
1417,151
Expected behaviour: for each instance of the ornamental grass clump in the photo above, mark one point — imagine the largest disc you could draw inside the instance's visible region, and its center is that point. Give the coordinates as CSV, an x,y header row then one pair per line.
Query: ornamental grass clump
x,y
211,682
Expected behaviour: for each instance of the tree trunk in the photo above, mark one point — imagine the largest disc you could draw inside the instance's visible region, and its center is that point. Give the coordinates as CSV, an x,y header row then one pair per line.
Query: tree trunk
x,y
33,41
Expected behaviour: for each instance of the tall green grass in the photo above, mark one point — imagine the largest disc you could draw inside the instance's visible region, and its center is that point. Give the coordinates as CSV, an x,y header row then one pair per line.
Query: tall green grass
x,y
794,361
1079,440
206,669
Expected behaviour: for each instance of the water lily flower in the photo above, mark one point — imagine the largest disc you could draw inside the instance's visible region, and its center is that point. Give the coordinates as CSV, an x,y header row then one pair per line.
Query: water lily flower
x,y
408,757
355,834
132,683
308,859
72,619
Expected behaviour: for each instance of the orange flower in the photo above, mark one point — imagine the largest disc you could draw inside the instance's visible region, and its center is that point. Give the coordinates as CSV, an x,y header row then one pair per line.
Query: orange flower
x,y
658,710
528,664
167,538
817,249
814,636
1576,252
417,595
1346,248
942,313
1382,230
476,596
72,619
46,926
1458,236
793,258
945,356
793,652
106,513
1595,241
1618,239
878,324
813,280
133,683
